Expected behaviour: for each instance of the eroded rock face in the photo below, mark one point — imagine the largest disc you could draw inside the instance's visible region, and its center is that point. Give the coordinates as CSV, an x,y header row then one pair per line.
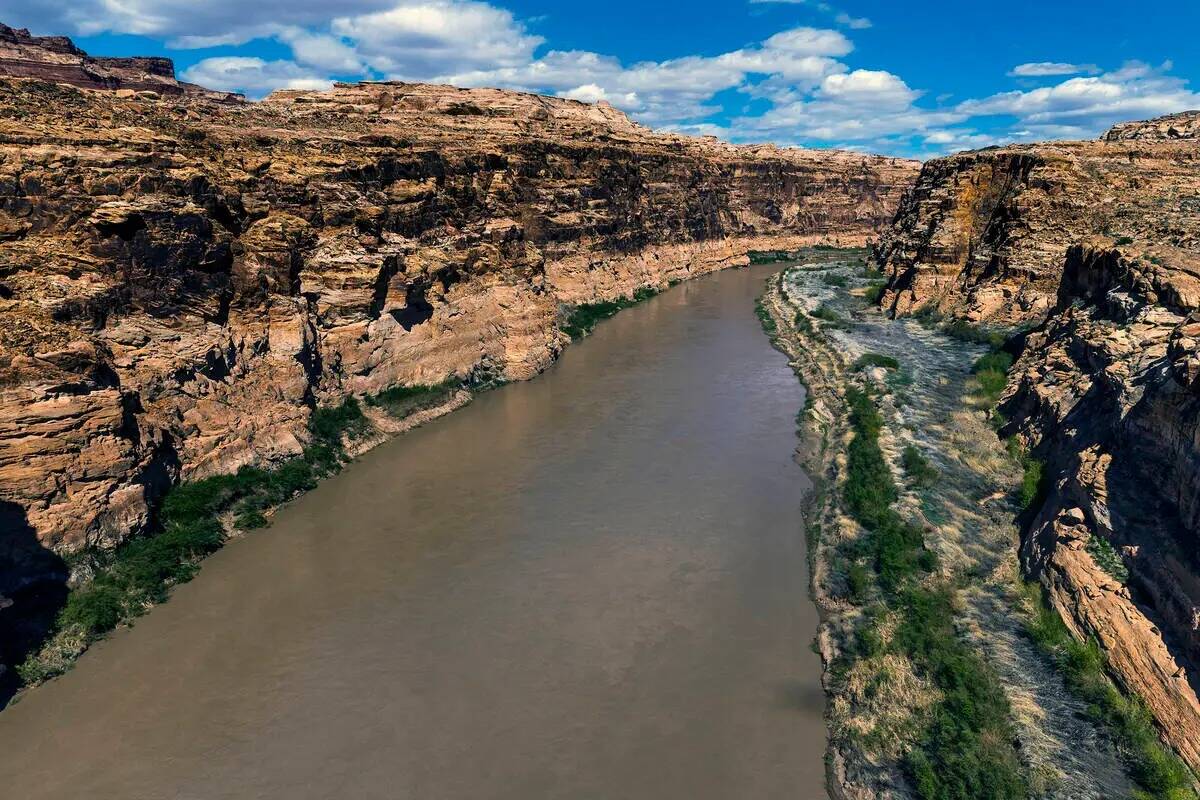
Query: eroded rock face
x,y
1097,244
182,280
57,59
985,234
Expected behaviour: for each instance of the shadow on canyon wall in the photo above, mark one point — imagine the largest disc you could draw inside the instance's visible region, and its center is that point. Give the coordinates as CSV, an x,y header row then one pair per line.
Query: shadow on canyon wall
x,y
33,587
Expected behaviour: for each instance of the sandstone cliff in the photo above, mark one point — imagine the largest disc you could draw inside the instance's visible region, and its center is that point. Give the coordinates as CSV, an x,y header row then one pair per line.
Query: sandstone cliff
x,y
183,279
1098,244
57,59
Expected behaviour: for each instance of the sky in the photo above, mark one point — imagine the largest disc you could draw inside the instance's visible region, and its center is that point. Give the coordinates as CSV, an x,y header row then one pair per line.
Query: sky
x,y
915,78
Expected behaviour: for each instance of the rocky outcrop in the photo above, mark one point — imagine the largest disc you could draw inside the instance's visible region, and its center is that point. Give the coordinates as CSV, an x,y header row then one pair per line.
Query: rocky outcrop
x,y
1097,245
182,279
984,234
57,59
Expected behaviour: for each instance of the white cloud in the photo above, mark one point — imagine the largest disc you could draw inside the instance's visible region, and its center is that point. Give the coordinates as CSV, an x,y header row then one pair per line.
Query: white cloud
x,y
1041,69
254,76
1085,106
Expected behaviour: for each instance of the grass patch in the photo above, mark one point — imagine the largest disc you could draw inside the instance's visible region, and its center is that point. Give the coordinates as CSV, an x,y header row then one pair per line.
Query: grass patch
x,y
829,316
140,572
769,256
764,316
991,371
401,401
583,318
1033,476
920,471
1157,770
867,360
874,292
833,279
964,331
1107,558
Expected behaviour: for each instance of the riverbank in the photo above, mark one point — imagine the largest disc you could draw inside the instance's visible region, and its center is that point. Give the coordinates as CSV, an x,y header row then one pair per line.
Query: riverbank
x,y
915,533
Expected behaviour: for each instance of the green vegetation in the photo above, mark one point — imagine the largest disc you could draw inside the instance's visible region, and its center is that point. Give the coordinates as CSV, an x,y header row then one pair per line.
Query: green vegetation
x,y
583,318
803,323
141,572
875,360
769,256
871,272
833,279
1107,558
964,749
764,316
1124,240
1158,772
920,471
827,314
1033,478
400,401
873,292
895,548
964,331
991,371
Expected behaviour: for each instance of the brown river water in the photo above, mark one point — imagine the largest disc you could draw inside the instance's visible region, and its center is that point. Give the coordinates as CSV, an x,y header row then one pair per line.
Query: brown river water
x,y
590,585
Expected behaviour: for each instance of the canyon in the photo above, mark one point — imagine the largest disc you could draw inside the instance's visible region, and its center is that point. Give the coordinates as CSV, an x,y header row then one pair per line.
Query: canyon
x,y
1090,251
185,277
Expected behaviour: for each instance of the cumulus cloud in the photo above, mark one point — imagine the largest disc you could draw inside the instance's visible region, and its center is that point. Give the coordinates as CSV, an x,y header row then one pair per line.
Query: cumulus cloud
x,y
1040,69
253,76
1084,106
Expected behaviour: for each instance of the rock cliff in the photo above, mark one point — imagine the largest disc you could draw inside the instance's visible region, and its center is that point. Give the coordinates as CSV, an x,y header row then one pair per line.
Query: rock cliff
x,y
1097,244
183,279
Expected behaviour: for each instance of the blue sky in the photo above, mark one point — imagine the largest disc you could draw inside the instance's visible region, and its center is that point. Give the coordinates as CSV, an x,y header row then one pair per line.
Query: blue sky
x,y
905,78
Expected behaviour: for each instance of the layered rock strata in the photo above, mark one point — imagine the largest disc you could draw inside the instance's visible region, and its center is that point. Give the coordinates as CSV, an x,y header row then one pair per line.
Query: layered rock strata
x,y
184,279
1097,244
57,59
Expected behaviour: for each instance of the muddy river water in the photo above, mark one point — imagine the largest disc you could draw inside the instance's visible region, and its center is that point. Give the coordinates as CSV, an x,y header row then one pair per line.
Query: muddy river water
x,y
590,585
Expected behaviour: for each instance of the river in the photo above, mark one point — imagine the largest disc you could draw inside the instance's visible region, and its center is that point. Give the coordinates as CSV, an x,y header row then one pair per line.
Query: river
x,y
589,585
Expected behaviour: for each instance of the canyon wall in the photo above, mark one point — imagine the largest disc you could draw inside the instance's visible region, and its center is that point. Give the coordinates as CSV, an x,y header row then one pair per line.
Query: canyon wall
x,y
184,277
1095,246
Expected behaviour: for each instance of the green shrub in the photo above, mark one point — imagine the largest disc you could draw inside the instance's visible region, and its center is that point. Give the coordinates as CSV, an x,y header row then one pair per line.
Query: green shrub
x,y
1031,482
875,360
583,318
1124,240
834,279
96,608
401,401
920,471
330,424
873,293
827,314
1107,557
964,331
764,316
